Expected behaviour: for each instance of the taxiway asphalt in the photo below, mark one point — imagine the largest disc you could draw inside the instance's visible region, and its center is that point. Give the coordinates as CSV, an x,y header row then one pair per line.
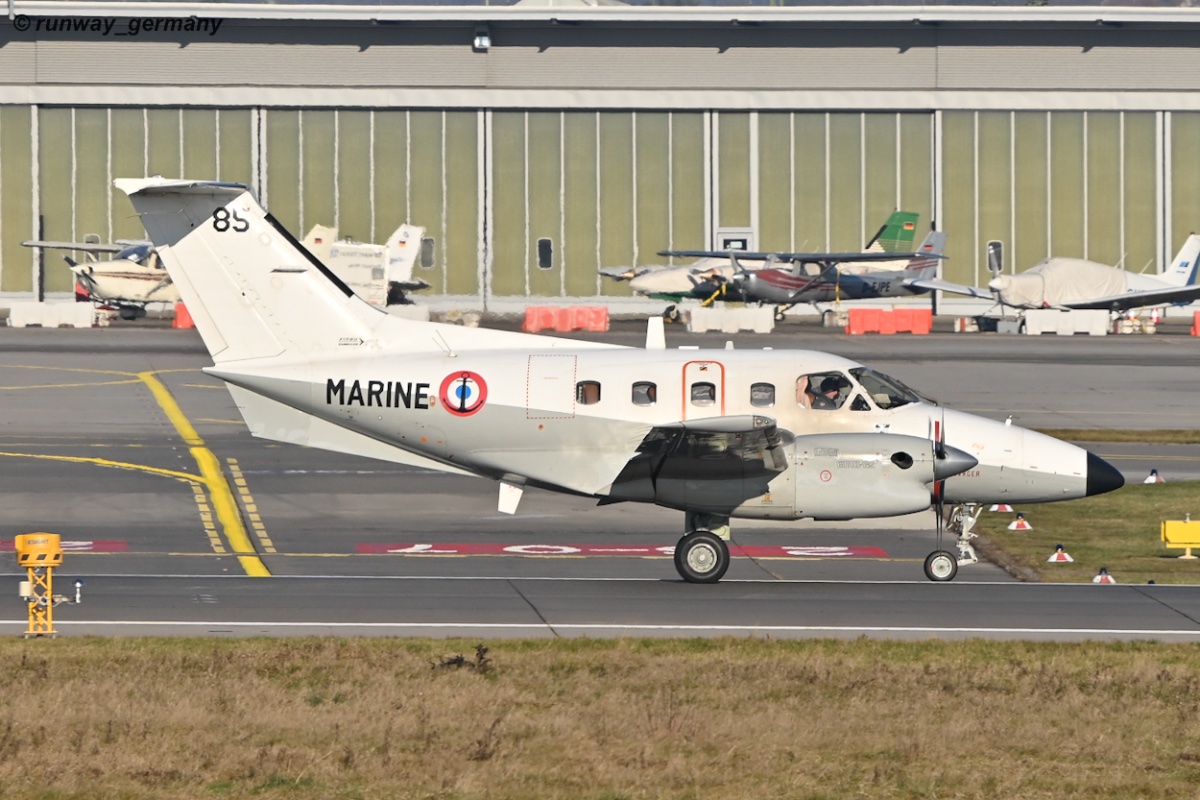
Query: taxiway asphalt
x,y
88,450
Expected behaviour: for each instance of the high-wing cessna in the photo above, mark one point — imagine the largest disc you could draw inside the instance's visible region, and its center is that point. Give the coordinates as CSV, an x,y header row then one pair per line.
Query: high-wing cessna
x,y
718,434
133,278
817,278
711,276
1075,283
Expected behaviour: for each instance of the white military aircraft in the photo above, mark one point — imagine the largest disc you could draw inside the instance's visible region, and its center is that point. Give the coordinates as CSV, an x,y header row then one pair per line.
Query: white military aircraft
x,y
715,434
1076,283
131,279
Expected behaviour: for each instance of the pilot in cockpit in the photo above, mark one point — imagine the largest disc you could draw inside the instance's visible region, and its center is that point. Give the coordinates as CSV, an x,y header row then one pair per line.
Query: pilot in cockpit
x,y
827,396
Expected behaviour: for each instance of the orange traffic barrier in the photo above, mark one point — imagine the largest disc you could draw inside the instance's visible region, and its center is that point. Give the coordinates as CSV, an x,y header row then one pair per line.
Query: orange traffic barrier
x,y
1196,324
913,320
183,318
901,320
572,318
538,318
862,320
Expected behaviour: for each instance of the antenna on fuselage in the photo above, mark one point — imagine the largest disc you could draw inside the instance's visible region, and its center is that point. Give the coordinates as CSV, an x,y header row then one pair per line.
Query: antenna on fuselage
x,y
442,343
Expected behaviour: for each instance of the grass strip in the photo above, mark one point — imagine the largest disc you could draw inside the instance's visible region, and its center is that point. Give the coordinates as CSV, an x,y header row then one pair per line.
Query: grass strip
x,y
1151,436
596,719
1119,530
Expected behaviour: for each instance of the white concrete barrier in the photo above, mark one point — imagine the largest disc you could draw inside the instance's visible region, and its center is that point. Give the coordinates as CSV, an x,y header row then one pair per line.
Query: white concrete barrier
x,y
26,313
1066,323
759,319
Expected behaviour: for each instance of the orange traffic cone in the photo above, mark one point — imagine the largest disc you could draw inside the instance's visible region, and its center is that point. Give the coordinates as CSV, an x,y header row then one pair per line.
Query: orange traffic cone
x,y
1103,577
1059,556
1020,524
182,318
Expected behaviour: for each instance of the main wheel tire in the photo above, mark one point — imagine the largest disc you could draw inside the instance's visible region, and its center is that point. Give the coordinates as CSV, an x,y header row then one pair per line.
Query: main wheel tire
x,y
701,557
941,565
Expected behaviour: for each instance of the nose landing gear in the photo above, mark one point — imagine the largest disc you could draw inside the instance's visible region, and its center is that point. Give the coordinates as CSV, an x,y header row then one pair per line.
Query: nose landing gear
x,y
942,565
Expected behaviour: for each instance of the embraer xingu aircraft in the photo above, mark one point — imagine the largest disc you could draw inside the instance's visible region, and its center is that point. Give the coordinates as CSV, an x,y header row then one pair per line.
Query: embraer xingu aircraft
x,y
759,434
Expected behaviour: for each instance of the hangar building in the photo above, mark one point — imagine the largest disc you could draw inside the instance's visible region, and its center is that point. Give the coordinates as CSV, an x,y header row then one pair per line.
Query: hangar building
x,y
537,144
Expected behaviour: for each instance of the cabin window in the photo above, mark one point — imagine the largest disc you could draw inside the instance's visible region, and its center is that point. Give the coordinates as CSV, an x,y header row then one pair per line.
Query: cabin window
x,y
704,394
645,393
762,395
587,393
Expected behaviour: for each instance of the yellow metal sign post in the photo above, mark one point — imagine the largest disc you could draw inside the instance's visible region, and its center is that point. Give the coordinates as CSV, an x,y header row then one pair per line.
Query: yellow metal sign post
x,y
39,553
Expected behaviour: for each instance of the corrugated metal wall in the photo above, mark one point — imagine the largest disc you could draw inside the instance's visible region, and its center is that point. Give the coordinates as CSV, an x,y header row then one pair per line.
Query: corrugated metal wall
x,y
566,148
533,203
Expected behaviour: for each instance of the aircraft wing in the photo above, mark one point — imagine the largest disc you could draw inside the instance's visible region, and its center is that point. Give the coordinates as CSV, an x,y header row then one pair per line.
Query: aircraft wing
x,y
87,247
717,455
1143,299
932,284
622,273
819,258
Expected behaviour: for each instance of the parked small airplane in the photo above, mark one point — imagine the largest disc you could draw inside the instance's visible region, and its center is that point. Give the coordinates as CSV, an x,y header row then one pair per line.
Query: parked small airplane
x,y
817,278
1076,283
715,434
712,274
133,278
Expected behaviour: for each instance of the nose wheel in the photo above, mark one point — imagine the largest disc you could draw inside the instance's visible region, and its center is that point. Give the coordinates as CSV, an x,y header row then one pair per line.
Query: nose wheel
x,y
941,565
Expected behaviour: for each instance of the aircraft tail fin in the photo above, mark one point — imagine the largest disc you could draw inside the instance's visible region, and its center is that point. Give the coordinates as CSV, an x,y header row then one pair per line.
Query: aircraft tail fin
x,y
403,249
924,265
251,288
896,235
1182,270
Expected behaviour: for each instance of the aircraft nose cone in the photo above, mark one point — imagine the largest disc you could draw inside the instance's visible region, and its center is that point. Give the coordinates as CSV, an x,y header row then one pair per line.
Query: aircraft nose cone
x,y
998,284
1102,476
953,462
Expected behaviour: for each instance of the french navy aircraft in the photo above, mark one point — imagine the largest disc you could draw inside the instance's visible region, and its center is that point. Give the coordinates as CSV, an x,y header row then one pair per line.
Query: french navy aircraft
x,y
719,434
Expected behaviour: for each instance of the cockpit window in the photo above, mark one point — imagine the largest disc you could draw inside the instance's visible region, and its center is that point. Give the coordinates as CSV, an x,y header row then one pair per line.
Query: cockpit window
x,y
136,253
822,391
885,392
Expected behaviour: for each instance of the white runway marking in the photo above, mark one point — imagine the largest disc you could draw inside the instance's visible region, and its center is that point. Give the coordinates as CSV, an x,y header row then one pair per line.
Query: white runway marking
x,y
616,627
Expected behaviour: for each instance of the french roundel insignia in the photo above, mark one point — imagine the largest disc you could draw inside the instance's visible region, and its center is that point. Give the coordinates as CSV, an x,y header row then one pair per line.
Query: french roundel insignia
x,y
463,393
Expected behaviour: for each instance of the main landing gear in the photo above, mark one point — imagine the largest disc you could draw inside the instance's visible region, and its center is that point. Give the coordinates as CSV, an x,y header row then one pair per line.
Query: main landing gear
x,y
702,555
942,565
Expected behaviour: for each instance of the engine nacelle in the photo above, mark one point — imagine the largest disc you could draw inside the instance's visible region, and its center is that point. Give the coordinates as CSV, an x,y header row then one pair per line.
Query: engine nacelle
x,y
842,476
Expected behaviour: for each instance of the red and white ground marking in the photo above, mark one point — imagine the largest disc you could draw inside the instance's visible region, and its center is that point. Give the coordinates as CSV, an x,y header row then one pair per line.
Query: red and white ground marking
x,y
626,551
96,546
